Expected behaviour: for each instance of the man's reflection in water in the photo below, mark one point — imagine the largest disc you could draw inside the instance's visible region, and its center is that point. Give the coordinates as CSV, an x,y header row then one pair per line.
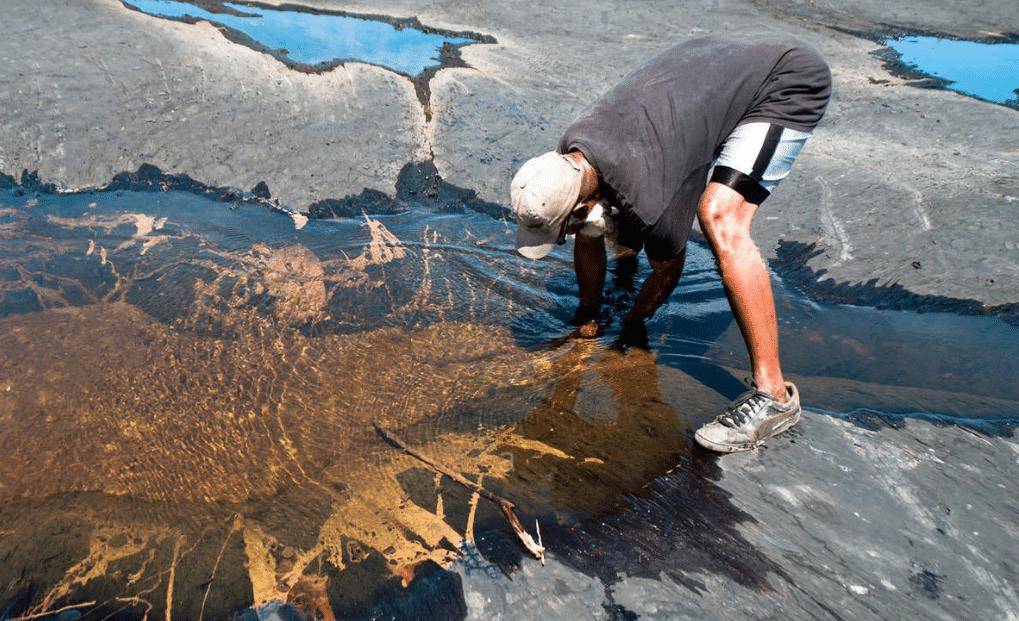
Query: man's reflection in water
x,y
612,424
604,430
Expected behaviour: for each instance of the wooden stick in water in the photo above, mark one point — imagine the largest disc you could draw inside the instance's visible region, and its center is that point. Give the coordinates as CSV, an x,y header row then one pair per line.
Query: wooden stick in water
x,y
508,508
47,613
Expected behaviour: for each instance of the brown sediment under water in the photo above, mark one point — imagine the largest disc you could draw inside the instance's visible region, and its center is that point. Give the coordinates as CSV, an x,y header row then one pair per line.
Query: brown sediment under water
x,y
187,392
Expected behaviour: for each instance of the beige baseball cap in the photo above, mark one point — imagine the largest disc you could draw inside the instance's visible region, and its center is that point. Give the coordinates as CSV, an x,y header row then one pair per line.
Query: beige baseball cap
x,y
544,191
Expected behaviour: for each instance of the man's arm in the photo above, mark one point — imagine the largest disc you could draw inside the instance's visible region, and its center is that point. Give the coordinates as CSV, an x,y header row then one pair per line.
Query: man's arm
x,y
589,263
656,288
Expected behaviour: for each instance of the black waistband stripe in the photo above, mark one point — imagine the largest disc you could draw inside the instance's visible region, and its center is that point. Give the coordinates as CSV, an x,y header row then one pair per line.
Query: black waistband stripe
x,y
747,186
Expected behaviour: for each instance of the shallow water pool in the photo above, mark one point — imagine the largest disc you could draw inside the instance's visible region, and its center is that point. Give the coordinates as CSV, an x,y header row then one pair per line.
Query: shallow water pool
x,y
188,387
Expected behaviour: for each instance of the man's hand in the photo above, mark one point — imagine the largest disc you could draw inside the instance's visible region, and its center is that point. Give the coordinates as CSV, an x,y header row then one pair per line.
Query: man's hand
x,y
656,288
632,333
589,330
586,320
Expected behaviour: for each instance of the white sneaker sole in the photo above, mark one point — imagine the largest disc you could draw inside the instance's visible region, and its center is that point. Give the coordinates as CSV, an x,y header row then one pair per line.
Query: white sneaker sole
x,y
739,448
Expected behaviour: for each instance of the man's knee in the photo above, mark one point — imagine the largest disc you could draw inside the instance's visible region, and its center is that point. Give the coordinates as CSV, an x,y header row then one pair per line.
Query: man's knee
x,y
725,220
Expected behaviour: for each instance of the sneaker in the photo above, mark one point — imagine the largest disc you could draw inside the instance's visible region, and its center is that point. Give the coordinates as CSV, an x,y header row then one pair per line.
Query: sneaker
x,y
751,419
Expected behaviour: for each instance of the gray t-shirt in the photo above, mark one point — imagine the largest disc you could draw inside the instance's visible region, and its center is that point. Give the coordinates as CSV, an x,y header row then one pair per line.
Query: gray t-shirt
x,y
653,136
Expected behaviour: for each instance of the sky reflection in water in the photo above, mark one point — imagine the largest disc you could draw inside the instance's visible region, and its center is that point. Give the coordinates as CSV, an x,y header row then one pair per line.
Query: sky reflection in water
x,y
312,39
986,70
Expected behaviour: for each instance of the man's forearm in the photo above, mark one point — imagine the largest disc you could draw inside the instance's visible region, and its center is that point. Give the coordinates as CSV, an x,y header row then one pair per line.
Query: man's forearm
x,y
589,263
657,287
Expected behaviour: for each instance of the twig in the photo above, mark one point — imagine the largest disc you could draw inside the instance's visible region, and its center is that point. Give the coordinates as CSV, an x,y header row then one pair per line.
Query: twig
x,y
508,508
234,527
472,512
47,613
169,581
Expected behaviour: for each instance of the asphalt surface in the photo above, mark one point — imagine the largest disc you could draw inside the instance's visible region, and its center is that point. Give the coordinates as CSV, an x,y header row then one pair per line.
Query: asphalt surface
x,y
843,523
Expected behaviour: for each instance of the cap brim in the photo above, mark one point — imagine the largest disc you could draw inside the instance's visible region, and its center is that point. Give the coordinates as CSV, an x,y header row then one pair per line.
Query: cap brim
x,y
535,244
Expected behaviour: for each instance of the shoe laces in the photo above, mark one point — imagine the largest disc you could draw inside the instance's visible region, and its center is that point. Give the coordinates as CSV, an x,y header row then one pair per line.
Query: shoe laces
x,y
745,407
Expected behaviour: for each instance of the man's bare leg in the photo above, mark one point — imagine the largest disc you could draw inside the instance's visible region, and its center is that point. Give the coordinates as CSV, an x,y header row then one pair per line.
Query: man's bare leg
x,y
725,218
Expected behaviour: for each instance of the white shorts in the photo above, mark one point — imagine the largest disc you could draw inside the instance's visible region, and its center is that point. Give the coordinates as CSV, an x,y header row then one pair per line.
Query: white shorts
x,y
755,157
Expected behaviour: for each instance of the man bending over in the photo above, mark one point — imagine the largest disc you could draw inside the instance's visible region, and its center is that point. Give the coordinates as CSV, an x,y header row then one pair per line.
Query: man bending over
x,y
707,128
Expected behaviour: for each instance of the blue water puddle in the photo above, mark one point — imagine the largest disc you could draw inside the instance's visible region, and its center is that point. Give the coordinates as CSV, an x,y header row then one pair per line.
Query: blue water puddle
x,y
987,71
314,40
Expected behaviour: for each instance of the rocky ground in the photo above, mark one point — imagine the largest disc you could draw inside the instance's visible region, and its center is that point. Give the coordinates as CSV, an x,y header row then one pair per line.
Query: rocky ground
x,y
841,523
900,185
